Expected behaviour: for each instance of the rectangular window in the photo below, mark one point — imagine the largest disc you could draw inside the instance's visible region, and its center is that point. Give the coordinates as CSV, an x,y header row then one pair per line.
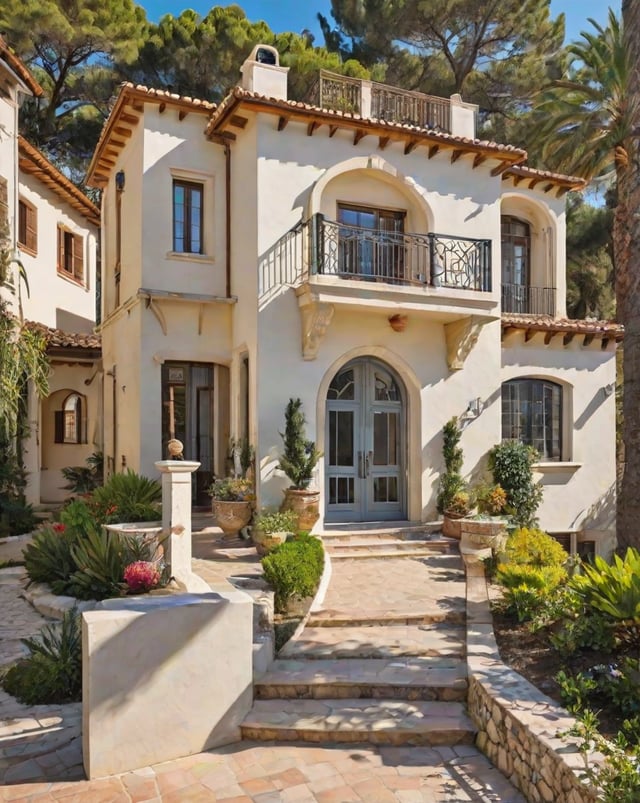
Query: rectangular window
x,y
187,217
27,227
532,414
70,254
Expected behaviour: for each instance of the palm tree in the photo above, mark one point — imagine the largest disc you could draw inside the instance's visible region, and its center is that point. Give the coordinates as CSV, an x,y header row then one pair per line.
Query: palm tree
x,y
590,129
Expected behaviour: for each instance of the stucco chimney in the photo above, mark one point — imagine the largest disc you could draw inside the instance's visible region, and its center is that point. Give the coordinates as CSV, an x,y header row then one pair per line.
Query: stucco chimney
x,y
463,117
262,73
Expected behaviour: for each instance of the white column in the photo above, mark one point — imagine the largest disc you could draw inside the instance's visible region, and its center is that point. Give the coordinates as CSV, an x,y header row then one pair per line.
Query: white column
x,y
176,520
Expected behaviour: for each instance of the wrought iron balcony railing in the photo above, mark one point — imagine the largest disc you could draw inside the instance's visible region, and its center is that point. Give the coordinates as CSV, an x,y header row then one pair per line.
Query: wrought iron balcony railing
x,y
326,247
380,101
527,300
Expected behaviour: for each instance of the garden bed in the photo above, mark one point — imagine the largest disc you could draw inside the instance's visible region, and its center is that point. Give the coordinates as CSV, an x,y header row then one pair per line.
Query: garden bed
x,y
533,657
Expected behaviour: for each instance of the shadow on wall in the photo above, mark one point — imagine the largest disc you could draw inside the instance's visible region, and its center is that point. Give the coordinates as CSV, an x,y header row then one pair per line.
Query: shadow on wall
x,y
601,515
283,265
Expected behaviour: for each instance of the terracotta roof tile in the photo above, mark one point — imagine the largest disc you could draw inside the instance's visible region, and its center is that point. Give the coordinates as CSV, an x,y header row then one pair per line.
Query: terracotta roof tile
x,y
524,171
35,163
19,68
56,338
239,94
545,323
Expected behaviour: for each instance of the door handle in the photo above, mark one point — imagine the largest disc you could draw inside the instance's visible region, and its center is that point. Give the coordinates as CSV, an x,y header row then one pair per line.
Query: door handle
x,y
360,467
367,463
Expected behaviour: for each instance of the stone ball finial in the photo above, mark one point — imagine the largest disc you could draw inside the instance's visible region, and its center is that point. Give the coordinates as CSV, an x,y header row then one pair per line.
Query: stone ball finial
x,y
175,448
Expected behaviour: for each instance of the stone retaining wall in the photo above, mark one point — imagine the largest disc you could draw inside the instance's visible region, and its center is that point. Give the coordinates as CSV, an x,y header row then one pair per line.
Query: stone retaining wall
x,y
519,727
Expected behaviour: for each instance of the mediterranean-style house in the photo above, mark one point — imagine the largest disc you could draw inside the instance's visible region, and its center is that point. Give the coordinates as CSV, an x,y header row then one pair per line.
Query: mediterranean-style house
x,y
362,251
52,229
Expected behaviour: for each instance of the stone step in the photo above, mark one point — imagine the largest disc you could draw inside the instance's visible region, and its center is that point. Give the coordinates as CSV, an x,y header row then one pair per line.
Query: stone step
x,y
383,618
399,531
398,679
393,641
389,549
394,722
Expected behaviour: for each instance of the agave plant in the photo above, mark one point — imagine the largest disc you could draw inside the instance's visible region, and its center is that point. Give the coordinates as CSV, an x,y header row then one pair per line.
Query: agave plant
x,y
612,588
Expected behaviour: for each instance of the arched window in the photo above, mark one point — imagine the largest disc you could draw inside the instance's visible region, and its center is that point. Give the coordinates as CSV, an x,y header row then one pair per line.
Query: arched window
x,y
69,423
516,251
532,414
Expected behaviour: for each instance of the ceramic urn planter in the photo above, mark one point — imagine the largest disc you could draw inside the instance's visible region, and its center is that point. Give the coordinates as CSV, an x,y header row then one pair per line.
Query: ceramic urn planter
x,y
305,504
231,517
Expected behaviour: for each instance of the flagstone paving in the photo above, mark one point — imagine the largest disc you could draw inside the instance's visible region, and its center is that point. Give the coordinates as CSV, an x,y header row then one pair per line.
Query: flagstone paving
x,y
382,662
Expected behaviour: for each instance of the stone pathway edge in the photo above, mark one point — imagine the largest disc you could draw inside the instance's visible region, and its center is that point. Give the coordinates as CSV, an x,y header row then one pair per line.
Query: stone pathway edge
x,y
519,728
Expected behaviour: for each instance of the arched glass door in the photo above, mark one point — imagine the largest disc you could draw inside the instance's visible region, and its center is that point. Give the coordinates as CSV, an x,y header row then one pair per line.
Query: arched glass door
x,y
365,444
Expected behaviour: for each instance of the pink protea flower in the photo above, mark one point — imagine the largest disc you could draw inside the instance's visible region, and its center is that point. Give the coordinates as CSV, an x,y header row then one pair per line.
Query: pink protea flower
x,y
58,527
141,576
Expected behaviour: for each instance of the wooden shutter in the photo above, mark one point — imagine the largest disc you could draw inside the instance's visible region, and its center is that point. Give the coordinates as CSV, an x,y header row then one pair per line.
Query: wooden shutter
x,y
59,426
61,262
4,203
32,229
78,257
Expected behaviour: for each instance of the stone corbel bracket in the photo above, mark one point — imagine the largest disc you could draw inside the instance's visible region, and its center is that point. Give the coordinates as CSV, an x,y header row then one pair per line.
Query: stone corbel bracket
x,y
315,317
461,336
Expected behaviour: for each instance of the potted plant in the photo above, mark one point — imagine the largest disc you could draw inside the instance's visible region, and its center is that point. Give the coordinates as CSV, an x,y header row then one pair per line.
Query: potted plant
x,y
454,501
232,503
298,462
460,506
272,528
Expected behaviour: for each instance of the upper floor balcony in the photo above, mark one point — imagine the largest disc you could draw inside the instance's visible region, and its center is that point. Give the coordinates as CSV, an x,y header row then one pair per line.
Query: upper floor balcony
x,y
373,100
528,300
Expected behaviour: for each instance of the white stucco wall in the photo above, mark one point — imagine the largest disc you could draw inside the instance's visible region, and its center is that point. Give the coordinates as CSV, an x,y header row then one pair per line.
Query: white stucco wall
x,y
54,299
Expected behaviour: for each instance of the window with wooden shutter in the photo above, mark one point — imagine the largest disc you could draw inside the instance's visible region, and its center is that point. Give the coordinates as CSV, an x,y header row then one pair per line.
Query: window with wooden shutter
x,y
70,254
28,227
4,203
70,423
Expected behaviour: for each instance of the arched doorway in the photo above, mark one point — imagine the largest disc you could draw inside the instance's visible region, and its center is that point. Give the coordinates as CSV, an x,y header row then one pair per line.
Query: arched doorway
x,y
365,444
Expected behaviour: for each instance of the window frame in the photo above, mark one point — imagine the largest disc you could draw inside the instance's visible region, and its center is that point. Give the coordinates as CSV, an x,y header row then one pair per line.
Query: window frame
x,y
64,424
73,257
507,243
189,186
549,432
27,224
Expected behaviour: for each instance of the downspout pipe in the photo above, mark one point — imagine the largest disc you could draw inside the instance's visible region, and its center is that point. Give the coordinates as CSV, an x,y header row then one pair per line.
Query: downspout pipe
x,y
227,158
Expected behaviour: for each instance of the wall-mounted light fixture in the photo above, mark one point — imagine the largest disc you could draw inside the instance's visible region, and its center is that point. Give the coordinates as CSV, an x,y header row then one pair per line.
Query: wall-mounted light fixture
x,y
120,178
608,389
473,411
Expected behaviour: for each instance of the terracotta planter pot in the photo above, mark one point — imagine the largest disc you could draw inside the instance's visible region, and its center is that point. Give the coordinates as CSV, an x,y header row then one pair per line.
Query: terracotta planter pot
x,y
231,517
305,504
265,542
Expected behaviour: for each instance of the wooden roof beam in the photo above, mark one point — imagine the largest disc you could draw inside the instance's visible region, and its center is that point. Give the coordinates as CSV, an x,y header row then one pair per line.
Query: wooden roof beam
x,y
529,334
410,146
568,337
359,134
548,187
162,107
182,114
313,125
282,122
383,142
500,168
456,154
533,182
122,131
478,159
549,337
332,130
239,121
587,340
131,119
433,149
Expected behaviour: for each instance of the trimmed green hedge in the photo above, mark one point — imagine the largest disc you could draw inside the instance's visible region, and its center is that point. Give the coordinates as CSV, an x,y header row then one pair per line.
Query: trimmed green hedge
x,y
294,569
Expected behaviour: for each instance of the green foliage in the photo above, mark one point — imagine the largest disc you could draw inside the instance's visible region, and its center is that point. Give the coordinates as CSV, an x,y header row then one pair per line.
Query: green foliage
x,y
575,690
232,489
451,482
127,497
512,575
100,561
522,601
491,499
511,465
300,455
53,672
294,569
613,589
48,558
276,521
534,547
84,479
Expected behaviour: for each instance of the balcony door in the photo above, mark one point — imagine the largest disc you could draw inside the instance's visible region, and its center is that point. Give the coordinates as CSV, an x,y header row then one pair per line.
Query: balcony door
x,y
371,243
516,264
365,444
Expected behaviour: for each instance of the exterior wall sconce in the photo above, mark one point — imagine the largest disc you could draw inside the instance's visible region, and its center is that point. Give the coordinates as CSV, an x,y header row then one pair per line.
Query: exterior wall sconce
x,y
473,411
607,390
120,178
398,322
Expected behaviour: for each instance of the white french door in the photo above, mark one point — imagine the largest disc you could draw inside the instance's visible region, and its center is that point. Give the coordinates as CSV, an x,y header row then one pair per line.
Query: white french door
x,y
365,445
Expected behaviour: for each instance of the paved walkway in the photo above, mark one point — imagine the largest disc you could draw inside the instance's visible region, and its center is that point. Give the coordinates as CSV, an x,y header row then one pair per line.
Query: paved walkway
x,y
417,601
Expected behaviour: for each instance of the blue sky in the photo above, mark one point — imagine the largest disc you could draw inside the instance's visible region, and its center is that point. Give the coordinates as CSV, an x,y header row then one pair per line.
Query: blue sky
x,y
296,15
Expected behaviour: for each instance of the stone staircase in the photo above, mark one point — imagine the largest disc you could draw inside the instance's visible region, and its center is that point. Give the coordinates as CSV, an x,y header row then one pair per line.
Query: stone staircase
x,y
383,661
